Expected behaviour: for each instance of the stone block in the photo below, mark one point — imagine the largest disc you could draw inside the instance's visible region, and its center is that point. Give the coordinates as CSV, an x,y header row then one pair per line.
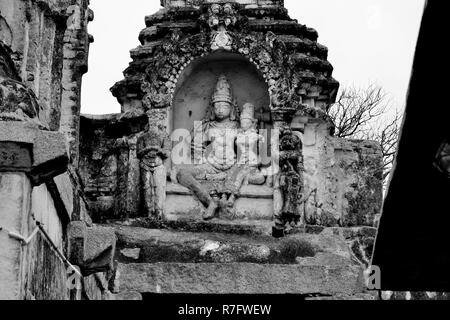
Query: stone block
x,y
137,244
91,248
240,278
255,203
193,222
44,210
323,259
14,206
21,142
66,191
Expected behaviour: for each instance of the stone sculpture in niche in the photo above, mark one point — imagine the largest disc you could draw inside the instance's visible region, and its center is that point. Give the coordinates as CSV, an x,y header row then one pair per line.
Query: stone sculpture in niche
x,y
152,151
247,167
213,147
218,173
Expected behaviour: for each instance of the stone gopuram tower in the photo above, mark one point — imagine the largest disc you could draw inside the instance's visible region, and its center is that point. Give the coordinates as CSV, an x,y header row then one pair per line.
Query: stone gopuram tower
x,y
220,174
198,64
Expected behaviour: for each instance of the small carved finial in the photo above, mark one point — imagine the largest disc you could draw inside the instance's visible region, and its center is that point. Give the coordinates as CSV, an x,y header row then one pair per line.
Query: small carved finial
x,y
223,91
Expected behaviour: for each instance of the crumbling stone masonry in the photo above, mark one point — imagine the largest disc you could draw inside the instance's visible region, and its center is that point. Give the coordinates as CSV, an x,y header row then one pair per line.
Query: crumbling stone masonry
x,y
45,227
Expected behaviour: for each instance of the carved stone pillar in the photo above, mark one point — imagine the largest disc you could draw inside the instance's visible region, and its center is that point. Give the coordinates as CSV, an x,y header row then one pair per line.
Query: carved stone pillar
x,y
282,121
123,156
28,158
15,195
75,51
133,195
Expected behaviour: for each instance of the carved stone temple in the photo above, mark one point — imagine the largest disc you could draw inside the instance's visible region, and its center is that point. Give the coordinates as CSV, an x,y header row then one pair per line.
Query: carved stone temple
x,y
220,174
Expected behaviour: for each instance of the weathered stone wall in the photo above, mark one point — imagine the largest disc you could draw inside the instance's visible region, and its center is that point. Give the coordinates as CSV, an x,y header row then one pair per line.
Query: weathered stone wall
x,y
44,49
250,3
34,270
348,178
105,164
14,188
49,43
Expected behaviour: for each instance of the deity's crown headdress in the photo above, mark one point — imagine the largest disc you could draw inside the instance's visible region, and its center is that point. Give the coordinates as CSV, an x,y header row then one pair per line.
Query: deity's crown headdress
x,y
222,92
248,111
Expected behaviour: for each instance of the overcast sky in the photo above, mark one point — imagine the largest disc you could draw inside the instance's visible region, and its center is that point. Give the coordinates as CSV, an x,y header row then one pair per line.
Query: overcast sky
x,y
369,41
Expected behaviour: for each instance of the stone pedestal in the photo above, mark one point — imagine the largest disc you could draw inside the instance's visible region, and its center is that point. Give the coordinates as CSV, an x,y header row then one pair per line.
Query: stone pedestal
x,y
254,203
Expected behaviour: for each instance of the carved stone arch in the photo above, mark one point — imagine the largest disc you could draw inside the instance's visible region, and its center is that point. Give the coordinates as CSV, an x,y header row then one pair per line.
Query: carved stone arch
x,y
191,98
174,55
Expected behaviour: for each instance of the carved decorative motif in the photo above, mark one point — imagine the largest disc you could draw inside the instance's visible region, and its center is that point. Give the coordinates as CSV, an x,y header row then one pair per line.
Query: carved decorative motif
x,y
17,101
221,15
290,181
171,58
220,18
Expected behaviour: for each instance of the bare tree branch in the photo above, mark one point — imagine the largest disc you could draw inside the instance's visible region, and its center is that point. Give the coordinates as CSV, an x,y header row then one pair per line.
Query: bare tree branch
x,y
363,114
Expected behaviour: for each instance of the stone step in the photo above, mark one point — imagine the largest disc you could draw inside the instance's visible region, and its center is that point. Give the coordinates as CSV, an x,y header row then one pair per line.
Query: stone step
x,y
240,278
136,244
197,224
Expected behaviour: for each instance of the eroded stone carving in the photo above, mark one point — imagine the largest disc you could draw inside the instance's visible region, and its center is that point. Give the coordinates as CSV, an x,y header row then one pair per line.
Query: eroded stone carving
x,y
290,181
17,101
220,17
219,133
247,169
152,150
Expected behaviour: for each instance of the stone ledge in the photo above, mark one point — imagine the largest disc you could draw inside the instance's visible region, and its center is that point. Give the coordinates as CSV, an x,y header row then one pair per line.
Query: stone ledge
x,y
45,152
255,3
249,191
240,278
190,224
254,203
155,245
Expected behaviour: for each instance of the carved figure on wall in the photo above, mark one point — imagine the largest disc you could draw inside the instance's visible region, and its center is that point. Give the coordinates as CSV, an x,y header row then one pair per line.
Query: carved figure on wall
x,y
290,181
219,18
213,146
152,151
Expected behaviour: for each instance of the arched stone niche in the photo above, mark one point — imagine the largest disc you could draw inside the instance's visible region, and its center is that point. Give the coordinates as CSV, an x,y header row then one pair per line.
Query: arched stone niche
x,y
196,84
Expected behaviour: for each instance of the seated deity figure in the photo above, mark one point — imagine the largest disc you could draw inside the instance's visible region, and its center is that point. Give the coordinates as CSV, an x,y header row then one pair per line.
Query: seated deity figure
x,y
247,168
214,148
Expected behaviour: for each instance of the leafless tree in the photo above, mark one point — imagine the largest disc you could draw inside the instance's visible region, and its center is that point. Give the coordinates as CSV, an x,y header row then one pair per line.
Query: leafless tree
x,y
364,114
